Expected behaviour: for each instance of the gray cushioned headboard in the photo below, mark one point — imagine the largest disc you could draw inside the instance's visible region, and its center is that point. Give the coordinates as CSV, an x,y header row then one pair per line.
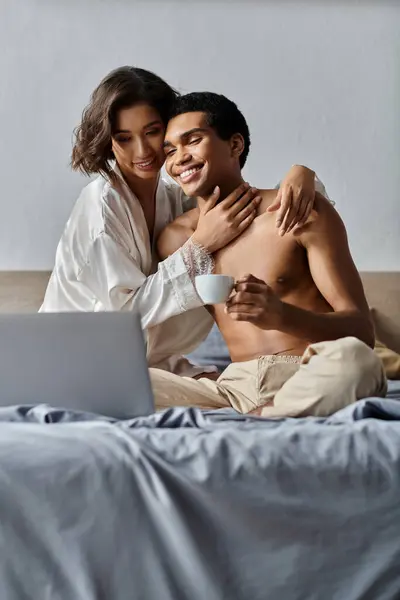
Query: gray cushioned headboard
x,y
22,291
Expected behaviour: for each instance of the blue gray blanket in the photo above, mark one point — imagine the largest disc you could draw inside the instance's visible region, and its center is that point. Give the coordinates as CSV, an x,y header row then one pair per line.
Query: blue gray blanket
x,y
200,506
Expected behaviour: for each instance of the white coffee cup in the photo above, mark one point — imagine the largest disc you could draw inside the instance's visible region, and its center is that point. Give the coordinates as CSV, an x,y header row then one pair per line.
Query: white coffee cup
x,y
214,289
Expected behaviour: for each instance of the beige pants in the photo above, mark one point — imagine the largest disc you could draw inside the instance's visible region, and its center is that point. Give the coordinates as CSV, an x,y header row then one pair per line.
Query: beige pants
x,y
329,376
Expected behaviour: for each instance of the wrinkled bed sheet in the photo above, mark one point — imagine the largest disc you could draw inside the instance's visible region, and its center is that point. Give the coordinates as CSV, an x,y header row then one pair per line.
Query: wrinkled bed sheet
x,y
200,506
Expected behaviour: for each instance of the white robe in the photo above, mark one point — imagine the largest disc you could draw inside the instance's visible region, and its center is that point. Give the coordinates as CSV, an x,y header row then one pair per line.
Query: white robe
x,y
104,262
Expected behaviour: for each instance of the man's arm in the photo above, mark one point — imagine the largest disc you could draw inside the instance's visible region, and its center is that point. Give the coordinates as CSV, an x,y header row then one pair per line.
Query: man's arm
x,y
336,277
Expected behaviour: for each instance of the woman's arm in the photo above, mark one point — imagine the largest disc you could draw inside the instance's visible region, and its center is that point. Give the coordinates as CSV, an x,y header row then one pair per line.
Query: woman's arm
x,y
294,201
117,282
296,196
164,300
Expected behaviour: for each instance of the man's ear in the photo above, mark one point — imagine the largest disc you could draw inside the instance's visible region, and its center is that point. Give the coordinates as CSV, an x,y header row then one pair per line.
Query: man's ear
x,y
237,145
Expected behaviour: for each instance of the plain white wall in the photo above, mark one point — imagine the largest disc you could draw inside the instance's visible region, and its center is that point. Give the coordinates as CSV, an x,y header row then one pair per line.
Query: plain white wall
x,y
317,81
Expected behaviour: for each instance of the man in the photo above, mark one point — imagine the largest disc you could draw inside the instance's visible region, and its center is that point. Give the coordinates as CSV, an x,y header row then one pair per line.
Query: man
x,y
298,328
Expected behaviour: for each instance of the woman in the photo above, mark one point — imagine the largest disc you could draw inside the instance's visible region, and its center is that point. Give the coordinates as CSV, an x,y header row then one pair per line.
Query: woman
x,y
106,257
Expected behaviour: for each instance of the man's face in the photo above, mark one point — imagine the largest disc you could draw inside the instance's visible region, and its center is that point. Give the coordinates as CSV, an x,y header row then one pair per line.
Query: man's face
x,y
195,157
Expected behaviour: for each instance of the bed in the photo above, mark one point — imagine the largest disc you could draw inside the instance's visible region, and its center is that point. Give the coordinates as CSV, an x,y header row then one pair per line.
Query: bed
x,y
201,505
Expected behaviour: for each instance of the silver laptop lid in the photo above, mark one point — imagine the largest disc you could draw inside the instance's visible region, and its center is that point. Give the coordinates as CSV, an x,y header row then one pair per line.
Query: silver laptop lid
x,y
94,362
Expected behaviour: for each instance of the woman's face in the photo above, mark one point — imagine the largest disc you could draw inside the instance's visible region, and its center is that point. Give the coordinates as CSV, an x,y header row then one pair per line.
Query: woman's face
x,y
137,141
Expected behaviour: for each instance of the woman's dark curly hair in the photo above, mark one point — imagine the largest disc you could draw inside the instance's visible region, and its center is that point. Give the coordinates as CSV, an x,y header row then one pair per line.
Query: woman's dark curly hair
x,y
121,88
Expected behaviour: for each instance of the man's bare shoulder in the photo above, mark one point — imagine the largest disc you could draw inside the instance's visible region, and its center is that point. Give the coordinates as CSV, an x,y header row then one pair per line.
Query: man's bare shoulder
x,y
188,220
323,223
324,212
177,233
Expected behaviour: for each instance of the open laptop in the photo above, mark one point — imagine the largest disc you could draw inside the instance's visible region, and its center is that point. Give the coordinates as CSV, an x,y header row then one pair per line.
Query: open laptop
x,y
92,362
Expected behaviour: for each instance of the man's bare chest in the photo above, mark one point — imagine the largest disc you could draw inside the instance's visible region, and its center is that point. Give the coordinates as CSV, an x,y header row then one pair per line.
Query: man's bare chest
x,y
279,261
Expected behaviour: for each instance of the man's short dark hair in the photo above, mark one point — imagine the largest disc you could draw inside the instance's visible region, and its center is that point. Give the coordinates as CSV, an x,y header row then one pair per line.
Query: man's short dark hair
x,y
221,113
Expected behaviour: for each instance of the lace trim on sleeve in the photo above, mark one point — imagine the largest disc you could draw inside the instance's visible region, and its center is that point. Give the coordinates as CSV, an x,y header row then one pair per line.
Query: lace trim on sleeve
x,y
197,259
